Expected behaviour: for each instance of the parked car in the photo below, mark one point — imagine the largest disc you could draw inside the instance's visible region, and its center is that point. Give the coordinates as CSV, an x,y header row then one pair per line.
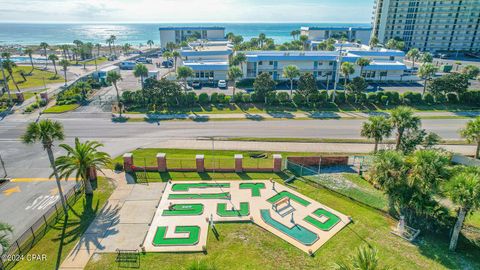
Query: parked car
x,y
444,56
196,85
222,84
112,57
167,64
144,60
127,65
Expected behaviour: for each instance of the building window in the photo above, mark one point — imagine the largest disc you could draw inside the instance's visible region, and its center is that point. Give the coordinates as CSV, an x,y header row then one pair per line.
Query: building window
x,y
383,73
260,63
270,63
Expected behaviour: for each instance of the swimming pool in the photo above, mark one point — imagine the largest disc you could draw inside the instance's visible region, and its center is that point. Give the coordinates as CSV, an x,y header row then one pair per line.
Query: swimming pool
x,y
26,59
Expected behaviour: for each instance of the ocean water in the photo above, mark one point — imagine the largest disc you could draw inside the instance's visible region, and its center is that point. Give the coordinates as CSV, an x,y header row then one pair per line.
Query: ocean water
x,y
33,34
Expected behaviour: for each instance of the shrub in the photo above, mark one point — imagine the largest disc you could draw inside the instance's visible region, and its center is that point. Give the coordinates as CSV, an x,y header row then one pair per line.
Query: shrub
x,y
380,94
246,83
203,98
351,97
238,97
340,97
228,99
314,99
393,97
221,98
42,103
283,98
440,99
372,98
362,98
412,98
272,98
214,98
299,100
323,96
428,98
471,97
256,98
452,98
246,98
384,99
190,99
118,167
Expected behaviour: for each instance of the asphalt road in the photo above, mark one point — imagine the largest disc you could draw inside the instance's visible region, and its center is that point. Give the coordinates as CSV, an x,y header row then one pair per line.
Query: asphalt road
x,y
27,161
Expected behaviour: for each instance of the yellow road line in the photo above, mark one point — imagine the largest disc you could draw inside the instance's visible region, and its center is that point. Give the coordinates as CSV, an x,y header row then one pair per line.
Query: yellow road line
x,y
37,179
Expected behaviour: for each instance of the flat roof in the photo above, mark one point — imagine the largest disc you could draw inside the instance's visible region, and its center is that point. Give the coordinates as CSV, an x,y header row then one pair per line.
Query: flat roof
x,y
386,66
206,65
191,28
292,55
330,28
377,53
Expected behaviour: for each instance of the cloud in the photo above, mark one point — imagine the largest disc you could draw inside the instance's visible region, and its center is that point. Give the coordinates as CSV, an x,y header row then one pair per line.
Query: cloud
x,y
186,10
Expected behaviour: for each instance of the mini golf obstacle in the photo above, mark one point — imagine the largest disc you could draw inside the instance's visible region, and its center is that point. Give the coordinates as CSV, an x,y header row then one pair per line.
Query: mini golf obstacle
x,y
188,210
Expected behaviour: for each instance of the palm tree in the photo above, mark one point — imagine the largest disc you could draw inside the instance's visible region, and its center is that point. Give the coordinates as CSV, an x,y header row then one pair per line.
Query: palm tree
x,y
374,42
234,73
291,72
239,59
29,52
54,58
113,38
80,159
413,54
98,46
427,58
113,77
175,55
9,65
295,34
109,42
5,81
377,128
168,55
363,62
403,118
464,190
472,133
366,258
426,72
141,71
47,132
126,48
150,43
5,230
184,73
65,48
64,63
304,39
261,39
347,69
44,46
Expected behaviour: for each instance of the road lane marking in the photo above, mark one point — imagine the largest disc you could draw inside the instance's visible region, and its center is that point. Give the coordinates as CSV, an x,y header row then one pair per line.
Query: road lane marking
x,y
10,191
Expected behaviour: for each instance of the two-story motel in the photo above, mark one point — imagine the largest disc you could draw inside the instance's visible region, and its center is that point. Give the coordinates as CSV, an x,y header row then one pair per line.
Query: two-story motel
x,y
210,62
177,34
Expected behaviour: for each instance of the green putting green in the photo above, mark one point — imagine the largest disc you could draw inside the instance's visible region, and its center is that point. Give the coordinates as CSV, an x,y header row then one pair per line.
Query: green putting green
x,y
224,195
184,210
324,226
254,187
297,232
191,239
187,186
284,194
223,212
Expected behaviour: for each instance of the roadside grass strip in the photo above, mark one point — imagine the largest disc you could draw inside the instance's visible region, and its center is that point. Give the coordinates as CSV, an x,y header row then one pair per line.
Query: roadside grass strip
x,y
191,239
187,186
327,225
297,232
184,210
223,212
254,187
284,194
224,195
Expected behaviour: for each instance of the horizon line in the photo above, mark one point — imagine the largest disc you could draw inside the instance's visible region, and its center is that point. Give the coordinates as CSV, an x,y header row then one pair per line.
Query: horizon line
x,y
174,22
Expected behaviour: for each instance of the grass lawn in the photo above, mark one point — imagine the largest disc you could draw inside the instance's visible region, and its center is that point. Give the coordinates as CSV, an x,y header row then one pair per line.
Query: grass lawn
x,y
100,61
61,108
35,80
246,246
81,214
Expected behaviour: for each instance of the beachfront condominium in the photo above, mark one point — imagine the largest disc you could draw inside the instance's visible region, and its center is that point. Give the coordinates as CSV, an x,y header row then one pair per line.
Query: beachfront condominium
x,y
429,25
179,34
318,34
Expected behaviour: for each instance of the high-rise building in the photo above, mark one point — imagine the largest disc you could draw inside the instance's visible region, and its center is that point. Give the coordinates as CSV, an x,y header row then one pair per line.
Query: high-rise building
x,y
429,25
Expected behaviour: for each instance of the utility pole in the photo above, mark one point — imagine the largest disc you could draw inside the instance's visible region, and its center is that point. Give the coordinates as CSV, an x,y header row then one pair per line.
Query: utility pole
x,y
337,72
3,166
5,81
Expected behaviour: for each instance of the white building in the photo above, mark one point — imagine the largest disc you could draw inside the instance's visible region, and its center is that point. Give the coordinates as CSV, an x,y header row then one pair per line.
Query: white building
x,y
429,25
361,34
385,64
178,34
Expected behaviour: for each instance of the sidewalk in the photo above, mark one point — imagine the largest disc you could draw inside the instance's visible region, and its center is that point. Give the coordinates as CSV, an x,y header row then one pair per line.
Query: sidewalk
x,y
295,115
348,148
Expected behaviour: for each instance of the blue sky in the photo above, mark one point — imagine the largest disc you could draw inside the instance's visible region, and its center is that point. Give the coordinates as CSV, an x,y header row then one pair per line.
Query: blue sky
x,y
186,10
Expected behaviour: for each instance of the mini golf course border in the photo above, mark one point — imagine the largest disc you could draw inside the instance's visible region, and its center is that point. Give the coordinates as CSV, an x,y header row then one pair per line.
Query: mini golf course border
x,y
195,209
297,232
223,212
192,239
188,186
193,196
254,187
284,194
324,226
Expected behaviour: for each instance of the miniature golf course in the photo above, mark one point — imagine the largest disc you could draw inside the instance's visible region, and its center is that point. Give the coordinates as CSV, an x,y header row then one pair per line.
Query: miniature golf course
x,y
191,239
284,194
327,225
297,232
223,212
254,187
187,186
223,195
184,210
